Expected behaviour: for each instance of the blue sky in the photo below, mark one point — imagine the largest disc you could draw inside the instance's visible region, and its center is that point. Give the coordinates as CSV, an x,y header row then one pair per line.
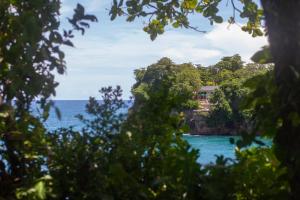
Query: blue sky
x,y
110,50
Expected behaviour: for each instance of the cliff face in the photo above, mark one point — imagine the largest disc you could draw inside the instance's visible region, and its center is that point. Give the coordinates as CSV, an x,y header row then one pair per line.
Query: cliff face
x,y
197,122
196,119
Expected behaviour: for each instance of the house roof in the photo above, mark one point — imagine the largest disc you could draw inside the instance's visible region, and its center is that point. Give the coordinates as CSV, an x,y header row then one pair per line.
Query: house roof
x,y
208,88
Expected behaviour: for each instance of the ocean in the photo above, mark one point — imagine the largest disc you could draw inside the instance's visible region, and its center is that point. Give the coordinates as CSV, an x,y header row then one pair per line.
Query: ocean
x,y
209,146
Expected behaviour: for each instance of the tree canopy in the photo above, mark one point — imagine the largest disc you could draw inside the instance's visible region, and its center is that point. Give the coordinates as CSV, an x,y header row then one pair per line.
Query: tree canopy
x,y
144,156
176,13
231,74
279,18
164,81
30,53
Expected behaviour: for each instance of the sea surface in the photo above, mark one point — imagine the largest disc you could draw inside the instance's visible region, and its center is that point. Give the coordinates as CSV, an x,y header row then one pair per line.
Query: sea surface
x,y
209,146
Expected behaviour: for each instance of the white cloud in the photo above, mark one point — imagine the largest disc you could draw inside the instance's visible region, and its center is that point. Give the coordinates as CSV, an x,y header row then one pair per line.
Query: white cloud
x,y
66,10
232,40
96,5
108,55
190,54
135,49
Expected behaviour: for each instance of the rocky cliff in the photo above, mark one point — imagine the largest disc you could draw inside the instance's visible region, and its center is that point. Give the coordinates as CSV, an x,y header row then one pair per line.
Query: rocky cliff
x,y
196,119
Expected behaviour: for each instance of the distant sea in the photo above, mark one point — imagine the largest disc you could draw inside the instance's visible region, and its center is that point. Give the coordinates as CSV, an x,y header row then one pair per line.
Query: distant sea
x,y
209,146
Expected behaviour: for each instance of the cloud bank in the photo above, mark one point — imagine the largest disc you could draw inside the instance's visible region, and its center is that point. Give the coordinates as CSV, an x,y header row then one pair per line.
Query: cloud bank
x,y
110,51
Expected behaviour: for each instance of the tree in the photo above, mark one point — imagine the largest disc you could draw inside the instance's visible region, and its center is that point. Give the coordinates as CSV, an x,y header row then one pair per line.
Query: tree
x,y
176,13
221,112
156,122
166,82
231,63
206,75
255,174
162,92
230,67
82,163
123,158
228,100
280,17
30,53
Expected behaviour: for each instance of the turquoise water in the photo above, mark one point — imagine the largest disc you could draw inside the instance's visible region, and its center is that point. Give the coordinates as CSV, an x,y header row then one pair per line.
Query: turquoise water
x,y
209,146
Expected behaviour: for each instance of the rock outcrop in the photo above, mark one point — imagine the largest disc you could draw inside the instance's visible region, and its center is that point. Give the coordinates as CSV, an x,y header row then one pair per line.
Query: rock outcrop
x,y
196,119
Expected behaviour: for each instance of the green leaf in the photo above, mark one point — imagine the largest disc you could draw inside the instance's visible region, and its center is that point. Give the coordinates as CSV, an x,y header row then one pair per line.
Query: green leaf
x,y
263,56
189,4
68,43
199,9
40,189
218,19
175,24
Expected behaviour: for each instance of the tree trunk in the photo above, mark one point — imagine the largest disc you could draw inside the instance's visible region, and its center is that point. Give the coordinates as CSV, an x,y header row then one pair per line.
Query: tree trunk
x,y
283,26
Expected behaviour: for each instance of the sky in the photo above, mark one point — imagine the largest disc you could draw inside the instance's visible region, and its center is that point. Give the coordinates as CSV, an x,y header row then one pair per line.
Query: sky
x,y
110,51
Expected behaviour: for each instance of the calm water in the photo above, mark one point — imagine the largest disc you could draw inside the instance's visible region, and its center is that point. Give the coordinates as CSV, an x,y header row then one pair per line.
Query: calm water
x,y
209,146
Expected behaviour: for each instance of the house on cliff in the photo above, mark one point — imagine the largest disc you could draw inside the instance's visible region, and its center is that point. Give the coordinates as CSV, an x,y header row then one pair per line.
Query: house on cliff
x,y
203,97
197,118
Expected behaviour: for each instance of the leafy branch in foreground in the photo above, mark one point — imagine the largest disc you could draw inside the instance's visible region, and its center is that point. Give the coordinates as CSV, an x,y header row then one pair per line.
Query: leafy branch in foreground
x,y
176,13
279,18
107,159
138,163
30,55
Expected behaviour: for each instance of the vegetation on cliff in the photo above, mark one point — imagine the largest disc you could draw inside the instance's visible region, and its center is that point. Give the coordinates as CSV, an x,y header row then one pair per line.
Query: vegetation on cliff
x,y
167,83
228,109
117,158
